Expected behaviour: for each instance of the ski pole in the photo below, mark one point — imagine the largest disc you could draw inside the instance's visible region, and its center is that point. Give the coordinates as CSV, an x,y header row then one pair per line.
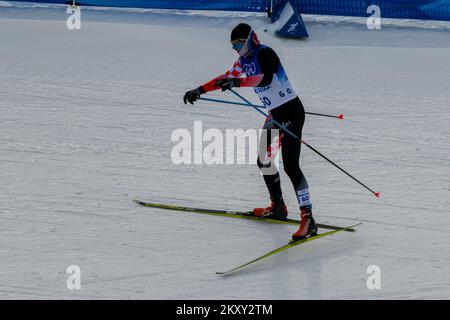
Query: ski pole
x,y
341,116
376,194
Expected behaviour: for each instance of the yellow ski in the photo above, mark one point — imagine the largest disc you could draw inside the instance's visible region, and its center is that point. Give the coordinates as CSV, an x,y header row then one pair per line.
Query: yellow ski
x,y
232,214
287,246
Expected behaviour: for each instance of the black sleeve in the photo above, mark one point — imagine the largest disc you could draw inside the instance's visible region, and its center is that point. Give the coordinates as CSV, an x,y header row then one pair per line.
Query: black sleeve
x,y
269,62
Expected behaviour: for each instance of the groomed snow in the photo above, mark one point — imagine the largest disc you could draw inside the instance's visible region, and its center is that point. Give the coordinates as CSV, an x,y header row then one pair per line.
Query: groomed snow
x,y
85,123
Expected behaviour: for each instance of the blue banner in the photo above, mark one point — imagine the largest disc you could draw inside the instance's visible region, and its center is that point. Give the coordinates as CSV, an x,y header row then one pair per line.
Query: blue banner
x,y
406,9
225,5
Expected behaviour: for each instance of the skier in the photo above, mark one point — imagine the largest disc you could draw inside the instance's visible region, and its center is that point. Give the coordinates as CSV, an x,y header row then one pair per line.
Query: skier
x,y
263,70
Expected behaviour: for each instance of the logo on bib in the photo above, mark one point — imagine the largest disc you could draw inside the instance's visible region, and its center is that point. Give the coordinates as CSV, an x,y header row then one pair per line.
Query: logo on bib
x,y
250,69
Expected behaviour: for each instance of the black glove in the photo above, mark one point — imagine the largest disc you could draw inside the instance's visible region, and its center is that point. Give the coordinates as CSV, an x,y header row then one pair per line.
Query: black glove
x,y
228,83
192,95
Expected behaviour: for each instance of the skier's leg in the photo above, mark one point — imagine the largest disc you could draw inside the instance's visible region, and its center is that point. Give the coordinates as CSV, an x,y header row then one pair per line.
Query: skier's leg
x,y
266,155
290,149
268,148
293,119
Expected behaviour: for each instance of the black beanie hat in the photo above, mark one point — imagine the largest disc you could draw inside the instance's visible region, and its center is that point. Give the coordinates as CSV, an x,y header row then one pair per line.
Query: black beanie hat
x,y
241,31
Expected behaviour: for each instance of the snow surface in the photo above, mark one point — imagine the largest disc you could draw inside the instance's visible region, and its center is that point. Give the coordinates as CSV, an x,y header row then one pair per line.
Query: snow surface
x,y
85,123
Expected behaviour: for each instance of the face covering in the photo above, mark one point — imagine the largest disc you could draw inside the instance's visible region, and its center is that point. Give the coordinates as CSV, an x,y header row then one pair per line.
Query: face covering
x,y
238,46
250,44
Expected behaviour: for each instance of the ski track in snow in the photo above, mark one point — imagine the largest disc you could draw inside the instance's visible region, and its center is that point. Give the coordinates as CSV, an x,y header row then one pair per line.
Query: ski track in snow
x,y
85,124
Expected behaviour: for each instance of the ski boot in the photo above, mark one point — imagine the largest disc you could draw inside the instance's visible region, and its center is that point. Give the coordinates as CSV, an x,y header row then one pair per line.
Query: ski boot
x,y
277,210
307,227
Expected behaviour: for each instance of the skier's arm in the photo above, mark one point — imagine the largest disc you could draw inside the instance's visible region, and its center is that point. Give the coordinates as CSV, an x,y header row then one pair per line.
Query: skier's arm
x,y
269,63
233,73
